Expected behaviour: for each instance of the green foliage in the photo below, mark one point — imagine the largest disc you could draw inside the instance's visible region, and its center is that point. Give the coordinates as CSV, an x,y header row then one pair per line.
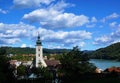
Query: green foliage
x,y
3,68
21,70
42,72
2,51
55,51
19,51
76,62
109,52
27,50
22,58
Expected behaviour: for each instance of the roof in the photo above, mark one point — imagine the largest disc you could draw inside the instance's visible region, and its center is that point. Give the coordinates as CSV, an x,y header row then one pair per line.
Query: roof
x,y
38,42
114,69
52,62
12,62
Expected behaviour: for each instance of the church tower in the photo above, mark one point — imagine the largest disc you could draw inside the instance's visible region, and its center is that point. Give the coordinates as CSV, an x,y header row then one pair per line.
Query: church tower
x,y
39,54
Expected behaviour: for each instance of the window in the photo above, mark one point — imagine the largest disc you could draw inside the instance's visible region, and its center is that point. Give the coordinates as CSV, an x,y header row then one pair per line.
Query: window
x,y
39,55
38,49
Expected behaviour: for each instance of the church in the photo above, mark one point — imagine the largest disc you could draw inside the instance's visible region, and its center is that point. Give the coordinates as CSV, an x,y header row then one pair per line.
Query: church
x,y
39,60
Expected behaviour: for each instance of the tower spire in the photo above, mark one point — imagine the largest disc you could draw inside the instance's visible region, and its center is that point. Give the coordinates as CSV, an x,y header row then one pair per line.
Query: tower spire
x,y
38,42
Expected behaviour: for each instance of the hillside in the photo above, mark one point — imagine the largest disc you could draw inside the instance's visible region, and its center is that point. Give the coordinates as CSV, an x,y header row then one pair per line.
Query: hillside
x,y
109,52
27,50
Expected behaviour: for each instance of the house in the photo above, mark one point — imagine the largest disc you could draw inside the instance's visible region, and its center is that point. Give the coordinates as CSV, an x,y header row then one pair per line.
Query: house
x,y
113,69
52,63
15,62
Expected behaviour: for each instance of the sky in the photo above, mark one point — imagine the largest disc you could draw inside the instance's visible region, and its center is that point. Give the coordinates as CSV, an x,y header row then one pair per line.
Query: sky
x,y
89,24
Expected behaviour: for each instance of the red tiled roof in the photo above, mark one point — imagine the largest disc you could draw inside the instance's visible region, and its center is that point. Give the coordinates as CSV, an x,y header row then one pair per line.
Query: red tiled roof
x,y
115,69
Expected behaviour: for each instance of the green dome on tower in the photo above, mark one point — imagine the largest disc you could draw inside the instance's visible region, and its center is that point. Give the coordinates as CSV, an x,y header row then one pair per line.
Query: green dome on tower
x,y
38,42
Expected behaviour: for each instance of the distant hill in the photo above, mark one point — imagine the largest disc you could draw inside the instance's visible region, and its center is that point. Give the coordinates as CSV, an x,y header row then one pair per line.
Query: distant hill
x,y
27,50
109,52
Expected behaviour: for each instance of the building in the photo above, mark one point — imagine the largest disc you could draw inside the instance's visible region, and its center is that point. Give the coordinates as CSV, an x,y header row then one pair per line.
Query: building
x,y
15,63
39,61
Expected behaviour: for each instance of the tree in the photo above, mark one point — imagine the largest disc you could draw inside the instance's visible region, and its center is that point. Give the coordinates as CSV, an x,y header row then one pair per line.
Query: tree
x,y
21,70
76,62
3,65
42,72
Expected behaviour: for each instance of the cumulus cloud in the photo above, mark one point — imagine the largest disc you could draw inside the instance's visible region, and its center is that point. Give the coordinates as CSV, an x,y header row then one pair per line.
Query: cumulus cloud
x,y
92,23
103,40
15,33
3,11
108,39
30,3
55,17
12,33
112,16
15,30
65,38
4,41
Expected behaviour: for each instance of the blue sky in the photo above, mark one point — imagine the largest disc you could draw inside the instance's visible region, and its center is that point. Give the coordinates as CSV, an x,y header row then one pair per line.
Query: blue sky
x,y
89,24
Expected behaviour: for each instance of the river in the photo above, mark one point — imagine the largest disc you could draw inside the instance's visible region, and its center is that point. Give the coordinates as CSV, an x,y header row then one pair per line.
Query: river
x,y
103,64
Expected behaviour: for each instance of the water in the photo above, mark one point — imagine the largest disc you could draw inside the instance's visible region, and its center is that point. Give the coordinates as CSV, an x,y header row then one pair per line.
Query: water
x,y
103,64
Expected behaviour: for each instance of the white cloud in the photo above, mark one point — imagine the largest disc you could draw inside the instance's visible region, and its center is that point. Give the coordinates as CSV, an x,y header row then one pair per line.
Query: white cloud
x,y
3,11
13,33
17,33
55,17
60,5
65,38
15,30
30,3
4,41
108,39
113,24
116,34
103,40
23,46
112,16
93,19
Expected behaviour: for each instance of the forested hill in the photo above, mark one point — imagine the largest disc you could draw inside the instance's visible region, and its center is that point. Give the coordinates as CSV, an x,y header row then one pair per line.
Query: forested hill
x,y
109,52
27,50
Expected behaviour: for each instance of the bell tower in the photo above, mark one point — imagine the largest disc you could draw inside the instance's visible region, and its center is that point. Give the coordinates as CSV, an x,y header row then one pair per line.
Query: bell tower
x,y
39,54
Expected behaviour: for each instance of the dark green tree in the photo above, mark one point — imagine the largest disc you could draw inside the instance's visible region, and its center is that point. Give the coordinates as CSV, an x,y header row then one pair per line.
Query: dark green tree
x,y
42,72
75,63
3,65
21,70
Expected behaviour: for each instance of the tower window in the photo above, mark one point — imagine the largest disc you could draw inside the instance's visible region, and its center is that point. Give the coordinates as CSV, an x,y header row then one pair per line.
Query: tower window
x,y
38,49
39,55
